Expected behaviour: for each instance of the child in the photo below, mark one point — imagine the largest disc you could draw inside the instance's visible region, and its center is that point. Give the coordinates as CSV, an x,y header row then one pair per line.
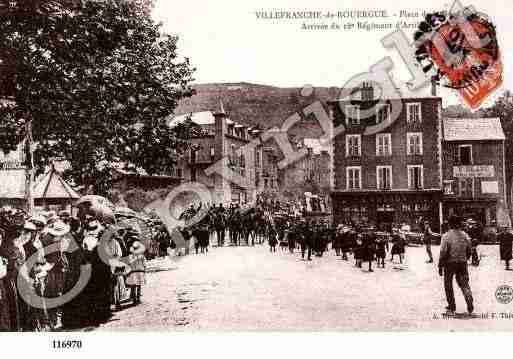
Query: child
x,y
398,246
136,277
381,250
358,251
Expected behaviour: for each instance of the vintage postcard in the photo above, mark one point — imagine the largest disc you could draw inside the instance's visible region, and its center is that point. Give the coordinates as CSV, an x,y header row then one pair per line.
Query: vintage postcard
x,y
271,166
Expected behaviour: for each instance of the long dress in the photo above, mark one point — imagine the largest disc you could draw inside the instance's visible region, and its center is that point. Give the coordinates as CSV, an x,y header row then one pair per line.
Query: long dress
x,y
73,311
15,259
5,317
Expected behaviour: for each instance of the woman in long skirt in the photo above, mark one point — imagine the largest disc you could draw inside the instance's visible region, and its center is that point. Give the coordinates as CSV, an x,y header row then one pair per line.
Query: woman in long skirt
x,y
13,257
5,316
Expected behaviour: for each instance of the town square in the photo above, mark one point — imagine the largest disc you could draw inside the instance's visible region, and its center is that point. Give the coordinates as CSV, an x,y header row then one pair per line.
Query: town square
x,y
143,190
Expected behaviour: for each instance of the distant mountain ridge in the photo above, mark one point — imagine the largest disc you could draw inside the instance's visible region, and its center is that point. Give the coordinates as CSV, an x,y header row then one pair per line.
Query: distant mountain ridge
x,y
254,104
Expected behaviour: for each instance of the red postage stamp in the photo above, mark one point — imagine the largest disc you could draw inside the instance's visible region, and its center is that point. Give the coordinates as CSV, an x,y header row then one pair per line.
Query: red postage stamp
x,y
462,52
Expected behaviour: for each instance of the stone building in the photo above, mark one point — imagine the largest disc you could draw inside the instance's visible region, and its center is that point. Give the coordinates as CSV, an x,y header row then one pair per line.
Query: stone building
x,y
267,170
394,175
223,140
473,168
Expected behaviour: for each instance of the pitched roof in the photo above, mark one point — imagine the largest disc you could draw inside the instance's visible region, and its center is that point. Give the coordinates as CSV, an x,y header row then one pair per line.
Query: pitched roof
x,y
199,118
472,129
51,185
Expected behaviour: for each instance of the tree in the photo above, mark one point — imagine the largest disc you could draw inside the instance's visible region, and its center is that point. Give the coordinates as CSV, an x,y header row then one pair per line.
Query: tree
x,y
97,82
503,109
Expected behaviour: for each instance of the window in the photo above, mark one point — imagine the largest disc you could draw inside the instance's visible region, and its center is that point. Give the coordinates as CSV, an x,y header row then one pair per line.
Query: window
x,y
414,143
353,145
465,154
233,156
383,144
382,113
466,187
413,112
448,187
384,177
415,177
353,177
352,115
212,153
193,174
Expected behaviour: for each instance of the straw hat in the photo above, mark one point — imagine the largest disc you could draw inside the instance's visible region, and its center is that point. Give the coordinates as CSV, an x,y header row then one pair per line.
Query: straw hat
x,y
29,226
58,229
39,220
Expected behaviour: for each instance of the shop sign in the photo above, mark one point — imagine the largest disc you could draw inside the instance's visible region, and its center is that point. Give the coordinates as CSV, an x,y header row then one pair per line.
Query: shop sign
x,y
473,171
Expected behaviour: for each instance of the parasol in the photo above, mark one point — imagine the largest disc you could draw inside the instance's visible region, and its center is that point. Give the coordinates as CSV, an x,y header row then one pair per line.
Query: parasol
x,y
97,206
95,200
125,212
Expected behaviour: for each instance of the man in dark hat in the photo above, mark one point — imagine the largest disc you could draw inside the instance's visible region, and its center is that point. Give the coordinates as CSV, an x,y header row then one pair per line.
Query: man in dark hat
x,y
455,252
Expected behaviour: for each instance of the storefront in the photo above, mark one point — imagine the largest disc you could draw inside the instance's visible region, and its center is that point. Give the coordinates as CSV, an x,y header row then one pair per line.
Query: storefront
x,y
484,211
384,209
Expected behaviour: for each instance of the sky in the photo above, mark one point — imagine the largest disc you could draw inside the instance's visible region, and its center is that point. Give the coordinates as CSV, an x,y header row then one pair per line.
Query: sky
x,y
227,43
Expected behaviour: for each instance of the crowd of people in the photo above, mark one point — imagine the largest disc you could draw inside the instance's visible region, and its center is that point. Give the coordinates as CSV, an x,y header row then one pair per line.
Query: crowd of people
x,y
63,272
100,259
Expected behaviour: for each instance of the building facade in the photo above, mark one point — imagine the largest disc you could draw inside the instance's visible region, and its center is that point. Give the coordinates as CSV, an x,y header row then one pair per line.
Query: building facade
x,y
394,175
474,183
223,140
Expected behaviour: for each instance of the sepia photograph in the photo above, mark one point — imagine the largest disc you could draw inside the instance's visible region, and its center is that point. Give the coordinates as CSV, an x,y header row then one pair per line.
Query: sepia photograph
x,y
270,167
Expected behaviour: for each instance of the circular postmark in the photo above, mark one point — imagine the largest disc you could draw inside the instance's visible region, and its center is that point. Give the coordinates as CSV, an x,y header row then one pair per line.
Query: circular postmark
x,y
458,49
504,294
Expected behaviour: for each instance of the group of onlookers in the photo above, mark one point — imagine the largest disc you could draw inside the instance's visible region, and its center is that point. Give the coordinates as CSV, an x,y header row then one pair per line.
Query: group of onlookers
x,y
59,271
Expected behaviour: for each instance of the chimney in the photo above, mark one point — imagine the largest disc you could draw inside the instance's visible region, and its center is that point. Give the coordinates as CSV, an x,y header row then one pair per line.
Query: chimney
x,y
221,128
433,87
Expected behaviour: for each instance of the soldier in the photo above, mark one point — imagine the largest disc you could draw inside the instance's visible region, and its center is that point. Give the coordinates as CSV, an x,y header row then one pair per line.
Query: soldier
x,y
292,236
220,225
273,240
306,240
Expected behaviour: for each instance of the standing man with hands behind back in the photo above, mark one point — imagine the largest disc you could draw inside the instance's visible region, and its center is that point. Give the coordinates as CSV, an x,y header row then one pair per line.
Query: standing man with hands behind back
x,y
455,250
